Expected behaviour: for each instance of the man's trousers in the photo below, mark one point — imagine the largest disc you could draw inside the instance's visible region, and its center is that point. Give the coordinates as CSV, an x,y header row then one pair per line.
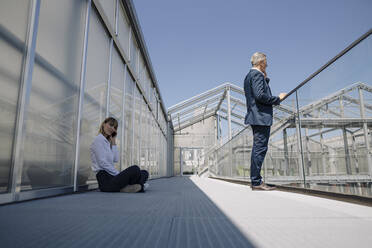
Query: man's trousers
x,y
261,135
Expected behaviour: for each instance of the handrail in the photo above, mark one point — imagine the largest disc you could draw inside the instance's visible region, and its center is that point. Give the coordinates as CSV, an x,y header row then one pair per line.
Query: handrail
x,y
343,52
352,45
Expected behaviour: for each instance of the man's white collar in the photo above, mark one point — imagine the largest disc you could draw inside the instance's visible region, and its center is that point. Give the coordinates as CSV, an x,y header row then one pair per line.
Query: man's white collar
x,y
255,68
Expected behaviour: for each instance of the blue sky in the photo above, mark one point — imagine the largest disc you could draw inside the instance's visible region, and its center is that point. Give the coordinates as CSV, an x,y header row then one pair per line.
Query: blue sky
x,y
196,45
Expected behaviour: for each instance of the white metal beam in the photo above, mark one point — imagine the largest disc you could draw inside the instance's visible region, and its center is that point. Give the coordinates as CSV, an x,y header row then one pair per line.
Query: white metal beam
x,y
197,98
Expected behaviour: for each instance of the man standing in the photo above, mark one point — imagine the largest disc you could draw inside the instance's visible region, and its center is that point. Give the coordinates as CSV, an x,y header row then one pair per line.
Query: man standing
x,y
259,115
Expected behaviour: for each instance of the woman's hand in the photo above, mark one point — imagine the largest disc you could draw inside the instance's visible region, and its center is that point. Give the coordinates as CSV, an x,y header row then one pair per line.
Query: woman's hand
x,y
113,141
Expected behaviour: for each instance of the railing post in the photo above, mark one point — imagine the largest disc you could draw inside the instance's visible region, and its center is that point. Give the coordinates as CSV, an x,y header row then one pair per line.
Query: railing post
x,y
355,154
346,144
308,154
321,148
229,111
286,154
365,130
298,127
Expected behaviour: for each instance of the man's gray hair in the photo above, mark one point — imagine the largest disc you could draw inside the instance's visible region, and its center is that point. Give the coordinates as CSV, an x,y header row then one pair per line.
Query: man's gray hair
x,y
257,58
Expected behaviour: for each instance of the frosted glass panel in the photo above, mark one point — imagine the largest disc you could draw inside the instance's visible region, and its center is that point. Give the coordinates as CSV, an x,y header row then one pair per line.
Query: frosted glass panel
x,y
13,24
134,55
116,94
128,121
142,74
137,126
94,109
109,7
49,149
123,31
144,136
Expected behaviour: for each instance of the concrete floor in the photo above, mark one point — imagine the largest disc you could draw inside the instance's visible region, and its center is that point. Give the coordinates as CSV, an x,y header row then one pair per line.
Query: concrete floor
x,y
186,212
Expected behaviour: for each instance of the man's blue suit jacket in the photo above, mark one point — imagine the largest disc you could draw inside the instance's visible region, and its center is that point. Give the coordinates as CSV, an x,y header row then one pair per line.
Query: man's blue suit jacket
x,y
259,99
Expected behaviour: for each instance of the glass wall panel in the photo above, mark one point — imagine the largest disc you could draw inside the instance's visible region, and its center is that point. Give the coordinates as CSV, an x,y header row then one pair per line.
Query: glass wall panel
x,y
123,31
148,84
94,108
49,150
116,94
161,155
137,126
151,142
134,55
149,138
144,136
128,121
155,104
164,157
151,96
13,27
142,73
177,162
109,7
156,148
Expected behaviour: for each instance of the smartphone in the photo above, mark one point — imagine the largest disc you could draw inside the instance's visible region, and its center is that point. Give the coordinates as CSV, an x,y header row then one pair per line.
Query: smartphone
x,y
113,134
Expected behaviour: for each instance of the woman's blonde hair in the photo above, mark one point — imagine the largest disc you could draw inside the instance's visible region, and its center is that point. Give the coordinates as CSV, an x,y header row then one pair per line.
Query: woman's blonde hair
x,y
112,121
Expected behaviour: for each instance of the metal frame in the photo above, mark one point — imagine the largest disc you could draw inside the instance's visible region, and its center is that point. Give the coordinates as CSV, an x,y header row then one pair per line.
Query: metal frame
x,y
23,101
81,94
41,193
123,117
207,102
219,99
108,85
319,115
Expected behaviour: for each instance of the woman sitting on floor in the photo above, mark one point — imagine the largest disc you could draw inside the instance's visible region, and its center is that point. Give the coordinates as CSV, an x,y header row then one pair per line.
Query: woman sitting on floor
x,y
104,153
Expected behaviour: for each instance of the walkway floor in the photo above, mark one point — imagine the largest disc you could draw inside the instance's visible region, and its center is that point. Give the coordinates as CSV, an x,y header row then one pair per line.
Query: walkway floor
x,y
186,212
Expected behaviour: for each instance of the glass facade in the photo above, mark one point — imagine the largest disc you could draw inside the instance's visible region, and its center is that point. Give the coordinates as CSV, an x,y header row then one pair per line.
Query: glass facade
x,y
79,75
51,114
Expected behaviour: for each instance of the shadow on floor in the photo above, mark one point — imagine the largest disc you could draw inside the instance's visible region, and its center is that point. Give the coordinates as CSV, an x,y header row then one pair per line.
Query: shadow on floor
x,y
173,213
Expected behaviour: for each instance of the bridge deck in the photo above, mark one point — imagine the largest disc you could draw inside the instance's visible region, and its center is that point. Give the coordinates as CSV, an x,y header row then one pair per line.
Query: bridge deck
x,y
186,212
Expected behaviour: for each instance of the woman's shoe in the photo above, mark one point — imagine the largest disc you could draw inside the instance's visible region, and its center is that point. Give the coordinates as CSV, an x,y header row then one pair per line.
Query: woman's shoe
x,y
146,186
132,188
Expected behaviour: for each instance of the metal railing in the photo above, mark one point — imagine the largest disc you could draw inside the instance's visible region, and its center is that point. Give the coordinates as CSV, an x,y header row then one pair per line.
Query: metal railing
x,y
323,134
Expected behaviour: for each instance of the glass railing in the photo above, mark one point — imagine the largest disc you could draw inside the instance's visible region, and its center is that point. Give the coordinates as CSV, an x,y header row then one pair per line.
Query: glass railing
x,y
321,132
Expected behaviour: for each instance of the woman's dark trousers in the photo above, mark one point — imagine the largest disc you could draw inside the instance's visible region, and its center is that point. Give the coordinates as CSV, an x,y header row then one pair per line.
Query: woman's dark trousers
x,y
261,135
131,175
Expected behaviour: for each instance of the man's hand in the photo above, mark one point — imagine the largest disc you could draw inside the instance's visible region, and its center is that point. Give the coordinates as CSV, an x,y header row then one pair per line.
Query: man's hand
x,y
282,95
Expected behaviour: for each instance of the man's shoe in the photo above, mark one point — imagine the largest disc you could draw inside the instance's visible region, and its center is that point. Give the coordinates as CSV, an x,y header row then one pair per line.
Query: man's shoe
x,y
263,186
133,188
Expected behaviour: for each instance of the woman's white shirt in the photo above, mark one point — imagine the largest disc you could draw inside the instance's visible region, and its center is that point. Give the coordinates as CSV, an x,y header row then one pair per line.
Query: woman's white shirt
x,y
103,156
